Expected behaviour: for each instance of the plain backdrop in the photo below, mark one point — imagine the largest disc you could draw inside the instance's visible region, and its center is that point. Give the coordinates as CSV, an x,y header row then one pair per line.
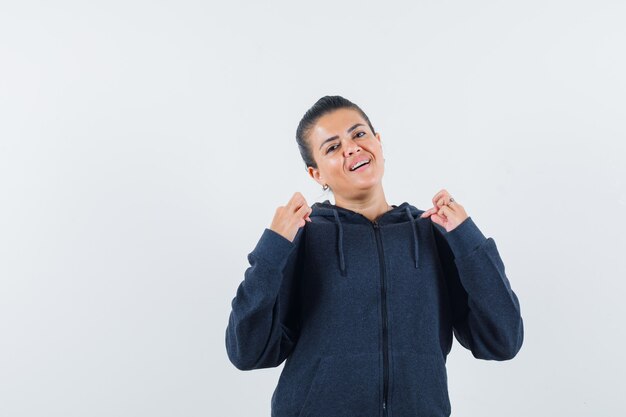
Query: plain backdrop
x,y
145,145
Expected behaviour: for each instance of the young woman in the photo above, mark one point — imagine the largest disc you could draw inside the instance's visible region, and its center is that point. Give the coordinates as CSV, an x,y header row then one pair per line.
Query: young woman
x,y
361,298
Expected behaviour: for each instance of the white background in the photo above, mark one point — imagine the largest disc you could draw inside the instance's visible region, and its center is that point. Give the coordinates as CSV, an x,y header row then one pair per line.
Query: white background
x,y
145,146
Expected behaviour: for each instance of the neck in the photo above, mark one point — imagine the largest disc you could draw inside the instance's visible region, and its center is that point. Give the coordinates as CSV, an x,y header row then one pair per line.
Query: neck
x,y
371,206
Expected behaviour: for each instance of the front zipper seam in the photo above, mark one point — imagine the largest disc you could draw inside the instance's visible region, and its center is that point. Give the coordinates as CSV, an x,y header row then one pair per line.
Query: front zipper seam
x,y
383,291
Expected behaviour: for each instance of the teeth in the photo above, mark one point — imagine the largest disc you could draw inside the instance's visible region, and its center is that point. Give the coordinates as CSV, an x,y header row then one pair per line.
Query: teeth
x,y
358,164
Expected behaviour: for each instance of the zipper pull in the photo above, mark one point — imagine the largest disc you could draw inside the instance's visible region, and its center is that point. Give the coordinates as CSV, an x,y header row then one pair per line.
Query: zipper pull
x,y
375,224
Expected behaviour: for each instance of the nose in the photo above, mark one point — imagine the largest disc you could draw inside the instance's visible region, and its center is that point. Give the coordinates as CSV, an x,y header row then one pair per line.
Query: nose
x,y
351,147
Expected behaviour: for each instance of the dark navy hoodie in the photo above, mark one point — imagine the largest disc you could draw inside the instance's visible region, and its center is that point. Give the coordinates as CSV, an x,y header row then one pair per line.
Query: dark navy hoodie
x,y
363,312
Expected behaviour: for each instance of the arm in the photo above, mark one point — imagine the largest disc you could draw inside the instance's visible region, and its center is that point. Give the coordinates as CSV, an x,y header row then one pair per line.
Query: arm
x,y
263,327
486,315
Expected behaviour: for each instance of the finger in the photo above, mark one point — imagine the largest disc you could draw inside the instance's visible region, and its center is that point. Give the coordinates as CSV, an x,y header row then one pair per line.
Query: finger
x,y
438,196
446,204
445,200
303,211
446,211
291,202
439,199
438,219
427,212
296,201
455,206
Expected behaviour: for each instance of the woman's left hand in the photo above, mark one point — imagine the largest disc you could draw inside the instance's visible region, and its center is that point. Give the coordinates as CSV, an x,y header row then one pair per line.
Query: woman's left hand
x,y
446,211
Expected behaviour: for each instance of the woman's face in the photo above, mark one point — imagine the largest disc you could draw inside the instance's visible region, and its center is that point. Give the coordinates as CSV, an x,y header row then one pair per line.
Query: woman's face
x,y
352,140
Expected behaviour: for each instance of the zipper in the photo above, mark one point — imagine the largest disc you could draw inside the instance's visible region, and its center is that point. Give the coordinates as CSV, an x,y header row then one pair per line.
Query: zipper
x,y
383,293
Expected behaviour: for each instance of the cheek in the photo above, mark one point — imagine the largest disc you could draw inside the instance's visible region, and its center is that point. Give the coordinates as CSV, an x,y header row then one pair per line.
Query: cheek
x,y
332,162
331,167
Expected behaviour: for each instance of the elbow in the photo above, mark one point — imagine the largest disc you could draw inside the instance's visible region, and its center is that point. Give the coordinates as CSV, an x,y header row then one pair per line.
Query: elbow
x,y
235,356
246,354
248,363
506,353
244,358
500,344
517,340
509,348
241,364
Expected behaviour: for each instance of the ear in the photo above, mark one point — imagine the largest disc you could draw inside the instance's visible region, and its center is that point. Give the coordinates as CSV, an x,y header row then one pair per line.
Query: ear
x,y
378,138
315,174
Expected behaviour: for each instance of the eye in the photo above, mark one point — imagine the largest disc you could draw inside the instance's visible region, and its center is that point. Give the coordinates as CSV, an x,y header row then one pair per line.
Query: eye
x,y
332,148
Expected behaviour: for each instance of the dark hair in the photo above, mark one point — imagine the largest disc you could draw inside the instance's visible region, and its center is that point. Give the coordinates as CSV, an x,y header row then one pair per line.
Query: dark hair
x,y
323,106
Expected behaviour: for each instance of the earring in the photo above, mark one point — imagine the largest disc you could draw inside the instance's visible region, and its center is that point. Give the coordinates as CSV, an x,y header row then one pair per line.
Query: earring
x,y
325,187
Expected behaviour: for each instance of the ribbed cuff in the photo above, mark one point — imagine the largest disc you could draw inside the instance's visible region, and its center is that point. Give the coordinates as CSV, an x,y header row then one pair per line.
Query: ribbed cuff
x,y
464,238
273,248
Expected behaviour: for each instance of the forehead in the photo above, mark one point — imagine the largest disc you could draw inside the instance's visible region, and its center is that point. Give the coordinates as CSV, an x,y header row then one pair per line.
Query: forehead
x,y
334,123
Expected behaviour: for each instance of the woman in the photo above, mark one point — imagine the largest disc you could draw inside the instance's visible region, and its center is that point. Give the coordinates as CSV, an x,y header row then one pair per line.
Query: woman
x,y
361,297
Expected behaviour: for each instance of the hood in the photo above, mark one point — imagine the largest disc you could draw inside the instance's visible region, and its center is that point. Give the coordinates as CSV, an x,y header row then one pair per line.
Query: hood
x,y
404,213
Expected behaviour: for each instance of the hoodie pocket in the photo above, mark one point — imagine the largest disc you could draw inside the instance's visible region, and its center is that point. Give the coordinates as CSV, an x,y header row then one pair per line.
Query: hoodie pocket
x,y
420,385
344,385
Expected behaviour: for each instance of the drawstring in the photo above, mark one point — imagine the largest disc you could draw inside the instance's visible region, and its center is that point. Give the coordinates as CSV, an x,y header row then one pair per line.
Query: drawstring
x,y
412,221
342,263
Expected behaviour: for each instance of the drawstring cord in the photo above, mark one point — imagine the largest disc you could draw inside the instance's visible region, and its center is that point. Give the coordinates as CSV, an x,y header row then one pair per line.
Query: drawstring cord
x,y
412,221
342,261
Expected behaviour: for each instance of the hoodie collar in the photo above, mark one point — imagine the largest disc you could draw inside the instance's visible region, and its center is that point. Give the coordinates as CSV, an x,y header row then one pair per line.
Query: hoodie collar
x,y
399,214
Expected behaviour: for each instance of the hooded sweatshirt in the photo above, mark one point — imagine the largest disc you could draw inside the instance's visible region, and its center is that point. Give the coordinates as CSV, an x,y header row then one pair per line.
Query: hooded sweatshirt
x,y
363,312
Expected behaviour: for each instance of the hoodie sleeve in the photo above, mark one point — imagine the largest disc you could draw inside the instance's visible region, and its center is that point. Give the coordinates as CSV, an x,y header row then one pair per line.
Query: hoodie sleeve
x,y
263,325
486,314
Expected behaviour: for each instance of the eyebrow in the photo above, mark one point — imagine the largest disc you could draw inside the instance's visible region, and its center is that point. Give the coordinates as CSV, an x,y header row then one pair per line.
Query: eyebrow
x,y
337,137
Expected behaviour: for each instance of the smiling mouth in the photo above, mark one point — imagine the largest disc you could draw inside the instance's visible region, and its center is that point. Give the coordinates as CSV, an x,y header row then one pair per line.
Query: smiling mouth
x,y
362,166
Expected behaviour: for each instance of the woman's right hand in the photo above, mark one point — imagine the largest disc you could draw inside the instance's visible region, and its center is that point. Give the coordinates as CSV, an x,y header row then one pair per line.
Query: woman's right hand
x,y
289,218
